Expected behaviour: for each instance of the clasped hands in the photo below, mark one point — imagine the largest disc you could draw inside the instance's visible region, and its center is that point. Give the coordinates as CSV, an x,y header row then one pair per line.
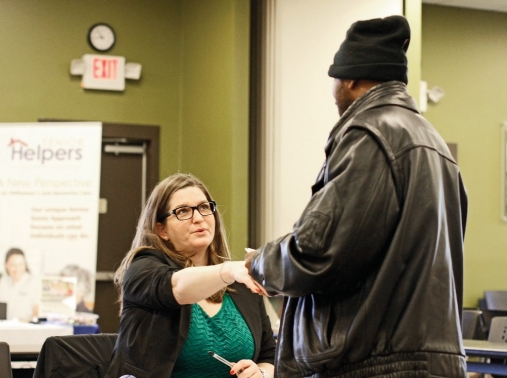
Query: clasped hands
x,y
253,285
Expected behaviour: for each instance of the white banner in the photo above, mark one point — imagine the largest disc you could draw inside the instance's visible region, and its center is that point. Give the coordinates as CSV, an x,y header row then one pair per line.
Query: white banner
x,y
49,198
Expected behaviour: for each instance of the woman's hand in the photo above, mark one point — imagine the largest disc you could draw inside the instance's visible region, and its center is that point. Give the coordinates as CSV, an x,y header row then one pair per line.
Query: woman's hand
x,y
246,369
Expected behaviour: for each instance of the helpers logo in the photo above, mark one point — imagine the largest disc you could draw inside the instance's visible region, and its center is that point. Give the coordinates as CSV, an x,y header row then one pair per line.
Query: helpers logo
x,y
51,150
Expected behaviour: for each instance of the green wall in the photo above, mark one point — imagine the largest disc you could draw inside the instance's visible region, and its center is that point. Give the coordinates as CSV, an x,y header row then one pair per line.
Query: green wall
x,y
464,52
214,106
38,40
412,10
194,82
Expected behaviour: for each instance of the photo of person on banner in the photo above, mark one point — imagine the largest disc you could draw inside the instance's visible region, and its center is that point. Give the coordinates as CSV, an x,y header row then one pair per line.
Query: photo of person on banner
x,y
83,289
19,288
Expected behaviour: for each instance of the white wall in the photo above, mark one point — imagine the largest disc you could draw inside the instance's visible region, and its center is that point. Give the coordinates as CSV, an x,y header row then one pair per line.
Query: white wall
x,y
300,110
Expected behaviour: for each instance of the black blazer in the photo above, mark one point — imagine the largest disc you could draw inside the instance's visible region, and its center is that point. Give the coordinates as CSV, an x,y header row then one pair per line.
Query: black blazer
x,y
154,327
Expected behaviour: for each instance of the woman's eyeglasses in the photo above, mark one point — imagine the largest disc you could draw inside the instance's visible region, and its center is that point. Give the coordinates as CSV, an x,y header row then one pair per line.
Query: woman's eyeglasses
x,y
187,212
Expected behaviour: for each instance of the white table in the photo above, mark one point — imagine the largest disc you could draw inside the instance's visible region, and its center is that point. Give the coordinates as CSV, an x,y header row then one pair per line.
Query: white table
x,y
487,350
27,338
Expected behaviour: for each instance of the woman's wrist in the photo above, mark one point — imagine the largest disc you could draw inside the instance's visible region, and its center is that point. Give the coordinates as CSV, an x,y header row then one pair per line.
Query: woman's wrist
x,y
220,273
264,373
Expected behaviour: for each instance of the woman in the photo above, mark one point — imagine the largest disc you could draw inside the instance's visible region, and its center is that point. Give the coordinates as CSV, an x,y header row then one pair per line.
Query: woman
x,y
18,288
181,296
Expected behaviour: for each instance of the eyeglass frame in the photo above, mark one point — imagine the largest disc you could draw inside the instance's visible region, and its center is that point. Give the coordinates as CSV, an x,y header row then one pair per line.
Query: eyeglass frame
x,y
167,215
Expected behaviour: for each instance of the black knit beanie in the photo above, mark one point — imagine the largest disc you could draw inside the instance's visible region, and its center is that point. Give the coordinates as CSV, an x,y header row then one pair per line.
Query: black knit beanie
x,y
374,50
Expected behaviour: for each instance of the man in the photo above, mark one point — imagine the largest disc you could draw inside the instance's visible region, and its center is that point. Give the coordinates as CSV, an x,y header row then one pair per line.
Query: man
x,y
372,272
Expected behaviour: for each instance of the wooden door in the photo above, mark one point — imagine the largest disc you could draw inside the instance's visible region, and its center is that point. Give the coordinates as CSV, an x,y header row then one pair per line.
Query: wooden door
x,y
129,171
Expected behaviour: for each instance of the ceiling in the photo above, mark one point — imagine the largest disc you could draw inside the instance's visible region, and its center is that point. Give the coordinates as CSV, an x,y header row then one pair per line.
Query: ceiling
x,y
488,5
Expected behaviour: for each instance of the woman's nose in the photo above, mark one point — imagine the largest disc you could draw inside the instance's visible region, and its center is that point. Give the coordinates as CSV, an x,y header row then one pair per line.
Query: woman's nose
x,y
197,218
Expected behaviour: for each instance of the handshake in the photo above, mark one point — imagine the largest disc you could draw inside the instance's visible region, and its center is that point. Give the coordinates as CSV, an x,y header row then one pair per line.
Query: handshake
x,y
240,271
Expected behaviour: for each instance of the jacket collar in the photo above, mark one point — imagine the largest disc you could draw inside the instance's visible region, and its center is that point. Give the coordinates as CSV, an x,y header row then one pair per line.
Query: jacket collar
x,y
388,93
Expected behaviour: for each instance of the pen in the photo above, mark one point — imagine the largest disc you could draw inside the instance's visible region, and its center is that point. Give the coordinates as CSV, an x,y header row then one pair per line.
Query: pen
x,y
221,359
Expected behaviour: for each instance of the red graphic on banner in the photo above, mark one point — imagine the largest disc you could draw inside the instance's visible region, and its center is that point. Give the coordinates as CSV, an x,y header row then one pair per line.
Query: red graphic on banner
x,y
14,141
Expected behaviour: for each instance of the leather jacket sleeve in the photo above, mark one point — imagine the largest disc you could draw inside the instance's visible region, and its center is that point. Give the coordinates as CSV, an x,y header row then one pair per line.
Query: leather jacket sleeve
x,y
339,238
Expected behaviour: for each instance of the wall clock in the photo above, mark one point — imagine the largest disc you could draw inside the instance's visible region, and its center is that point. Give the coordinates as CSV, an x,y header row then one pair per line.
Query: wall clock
x,y
101,37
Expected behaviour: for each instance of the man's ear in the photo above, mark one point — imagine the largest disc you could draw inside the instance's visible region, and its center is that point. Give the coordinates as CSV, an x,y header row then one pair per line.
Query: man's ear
x,y
352,84
161,231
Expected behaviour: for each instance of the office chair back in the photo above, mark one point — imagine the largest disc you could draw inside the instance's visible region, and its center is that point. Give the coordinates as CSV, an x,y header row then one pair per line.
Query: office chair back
x,y
496,300
5,360
75,356
489,313
498,330
472,327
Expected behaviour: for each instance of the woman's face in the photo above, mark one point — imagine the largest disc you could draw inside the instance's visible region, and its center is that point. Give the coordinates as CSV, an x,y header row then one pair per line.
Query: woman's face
x,y
15,267
193,236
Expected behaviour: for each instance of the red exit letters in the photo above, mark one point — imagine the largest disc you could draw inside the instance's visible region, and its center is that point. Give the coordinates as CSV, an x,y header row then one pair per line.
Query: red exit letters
x,y
105,68
104,72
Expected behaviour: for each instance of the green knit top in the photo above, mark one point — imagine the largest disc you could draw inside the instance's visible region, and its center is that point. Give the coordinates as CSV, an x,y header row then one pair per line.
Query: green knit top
x,y
225,334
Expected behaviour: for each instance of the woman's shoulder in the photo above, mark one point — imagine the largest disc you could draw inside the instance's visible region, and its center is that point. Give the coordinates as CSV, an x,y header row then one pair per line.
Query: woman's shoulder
x,y
32,278
150,254
4,280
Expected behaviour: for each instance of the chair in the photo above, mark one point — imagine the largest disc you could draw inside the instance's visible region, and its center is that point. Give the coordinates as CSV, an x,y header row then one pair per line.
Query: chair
x,y
498,334
490,306
3,311
472,327
485,358
496,300
75,356
5,360
498,330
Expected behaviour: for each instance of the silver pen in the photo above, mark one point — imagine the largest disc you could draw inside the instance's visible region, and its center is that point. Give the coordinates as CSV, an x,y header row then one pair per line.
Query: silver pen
x,y
221,359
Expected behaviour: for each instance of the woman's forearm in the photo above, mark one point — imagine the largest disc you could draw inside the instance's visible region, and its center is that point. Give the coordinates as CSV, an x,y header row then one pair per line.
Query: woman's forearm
x,y
190,285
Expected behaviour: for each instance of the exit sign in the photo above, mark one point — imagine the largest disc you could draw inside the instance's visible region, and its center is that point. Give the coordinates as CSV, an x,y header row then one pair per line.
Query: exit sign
x,y
104,72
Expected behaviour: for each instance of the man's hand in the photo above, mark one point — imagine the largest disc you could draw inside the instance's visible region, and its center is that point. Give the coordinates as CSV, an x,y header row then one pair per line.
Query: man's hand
x,y
248,264
248,259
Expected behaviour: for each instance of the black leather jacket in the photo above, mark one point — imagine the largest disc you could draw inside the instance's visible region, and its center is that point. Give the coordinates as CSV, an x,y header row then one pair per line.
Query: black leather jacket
x,y
373,270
